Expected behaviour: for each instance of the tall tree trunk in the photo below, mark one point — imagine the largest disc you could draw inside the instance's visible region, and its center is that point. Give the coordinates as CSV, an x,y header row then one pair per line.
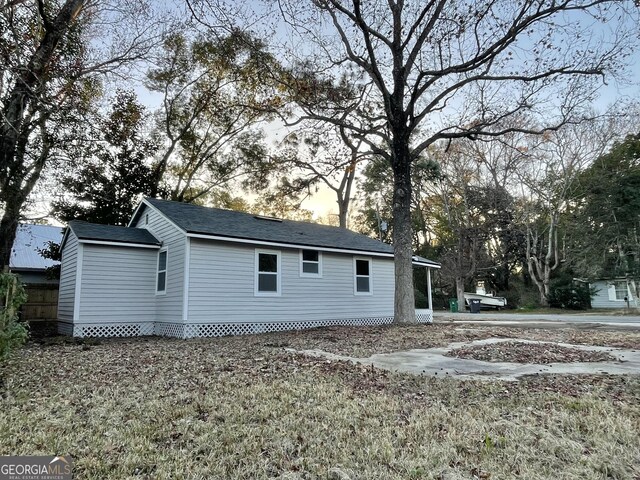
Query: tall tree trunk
x,y
8,229
344,193
460,293
404,306
343,210
22,97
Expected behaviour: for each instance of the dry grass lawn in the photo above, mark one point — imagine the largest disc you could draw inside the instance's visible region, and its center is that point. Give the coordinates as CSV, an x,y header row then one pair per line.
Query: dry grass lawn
x,y
243,408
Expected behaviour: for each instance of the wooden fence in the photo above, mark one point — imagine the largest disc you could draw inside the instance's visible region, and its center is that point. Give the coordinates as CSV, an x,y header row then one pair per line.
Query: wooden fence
x,y
42,303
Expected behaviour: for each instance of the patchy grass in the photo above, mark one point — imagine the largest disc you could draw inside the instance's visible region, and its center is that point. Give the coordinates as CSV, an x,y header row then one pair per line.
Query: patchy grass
x,y
243,408
524,352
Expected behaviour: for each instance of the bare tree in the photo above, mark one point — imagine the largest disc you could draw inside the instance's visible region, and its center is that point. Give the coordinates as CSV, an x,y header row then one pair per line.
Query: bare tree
x,y
454,69
52,57
549,186
317,155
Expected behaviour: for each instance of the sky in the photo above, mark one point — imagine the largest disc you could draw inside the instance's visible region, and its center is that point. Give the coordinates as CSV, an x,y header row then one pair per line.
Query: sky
x,y
323,202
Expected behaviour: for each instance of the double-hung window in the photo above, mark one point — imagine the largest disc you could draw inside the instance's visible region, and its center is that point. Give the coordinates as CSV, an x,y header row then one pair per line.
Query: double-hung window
x,y
161,278
621,290
267,280
310,263
362,284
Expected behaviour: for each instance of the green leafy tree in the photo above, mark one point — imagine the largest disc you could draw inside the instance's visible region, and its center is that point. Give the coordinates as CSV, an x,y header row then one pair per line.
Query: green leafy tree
x,y
214,96
116,171
12,296
605,222
40,51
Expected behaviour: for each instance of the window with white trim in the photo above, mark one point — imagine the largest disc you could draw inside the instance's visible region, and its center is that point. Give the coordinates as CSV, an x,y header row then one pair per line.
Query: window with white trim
x,y
621,290
161,278
362,276
267,281
310,263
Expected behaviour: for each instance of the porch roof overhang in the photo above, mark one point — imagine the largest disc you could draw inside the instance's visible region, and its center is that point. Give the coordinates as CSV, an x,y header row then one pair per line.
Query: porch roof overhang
x,y
419,261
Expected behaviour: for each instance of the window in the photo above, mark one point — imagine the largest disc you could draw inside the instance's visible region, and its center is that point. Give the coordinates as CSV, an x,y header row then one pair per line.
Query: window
x,y
146,219
621,290
161,281
267,280
310,263
362,277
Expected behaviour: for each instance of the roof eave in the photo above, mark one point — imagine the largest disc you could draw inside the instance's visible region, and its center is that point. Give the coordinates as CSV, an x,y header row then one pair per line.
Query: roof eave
x,y
254,241
102,241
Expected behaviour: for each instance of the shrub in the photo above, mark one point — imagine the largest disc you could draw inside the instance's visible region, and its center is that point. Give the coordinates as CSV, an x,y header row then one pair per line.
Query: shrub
x,y
421,299
572,297
12,296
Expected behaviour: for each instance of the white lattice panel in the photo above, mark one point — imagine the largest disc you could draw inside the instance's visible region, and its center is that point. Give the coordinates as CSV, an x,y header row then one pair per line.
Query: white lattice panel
x,y
169,329
424,315
219,330
113,330
65,328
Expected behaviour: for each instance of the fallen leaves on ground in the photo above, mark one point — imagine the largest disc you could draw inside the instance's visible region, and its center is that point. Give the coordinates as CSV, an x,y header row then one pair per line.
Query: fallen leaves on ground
x,y
525,352
245,408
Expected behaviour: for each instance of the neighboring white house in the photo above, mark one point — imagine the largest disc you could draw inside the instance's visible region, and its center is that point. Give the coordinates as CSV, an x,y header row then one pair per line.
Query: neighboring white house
x,y
611,293
26,260
184,271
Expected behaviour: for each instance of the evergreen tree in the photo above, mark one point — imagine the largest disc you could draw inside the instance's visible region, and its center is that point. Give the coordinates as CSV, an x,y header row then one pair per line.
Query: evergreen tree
x,y
115,172
605,225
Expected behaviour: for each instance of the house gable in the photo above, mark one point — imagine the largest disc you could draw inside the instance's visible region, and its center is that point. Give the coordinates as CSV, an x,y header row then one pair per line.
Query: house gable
x,y
170,306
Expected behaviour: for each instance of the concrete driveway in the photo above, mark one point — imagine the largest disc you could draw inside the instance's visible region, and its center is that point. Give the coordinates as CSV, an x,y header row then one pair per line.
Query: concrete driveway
x,y
436,362
625,321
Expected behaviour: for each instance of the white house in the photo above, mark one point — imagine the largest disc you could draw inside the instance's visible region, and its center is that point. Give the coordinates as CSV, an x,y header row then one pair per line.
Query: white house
x,y
613,293
185,271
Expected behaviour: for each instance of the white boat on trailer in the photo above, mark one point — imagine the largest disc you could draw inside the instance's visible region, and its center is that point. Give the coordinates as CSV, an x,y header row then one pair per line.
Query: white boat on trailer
x,y
486,301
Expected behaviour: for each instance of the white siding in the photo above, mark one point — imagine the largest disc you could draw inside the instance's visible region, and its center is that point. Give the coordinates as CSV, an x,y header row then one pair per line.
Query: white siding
x,y
118,284
601,298
169,305
66,295
221,287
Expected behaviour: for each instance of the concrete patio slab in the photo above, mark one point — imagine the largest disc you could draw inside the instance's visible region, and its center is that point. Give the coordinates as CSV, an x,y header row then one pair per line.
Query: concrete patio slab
x,y
493,318
434,362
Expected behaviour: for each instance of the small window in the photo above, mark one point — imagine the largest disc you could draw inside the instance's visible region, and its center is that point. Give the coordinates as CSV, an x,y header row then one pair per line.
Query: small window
x,y
621,290
310,263
146,219
161,282
362,280
267,272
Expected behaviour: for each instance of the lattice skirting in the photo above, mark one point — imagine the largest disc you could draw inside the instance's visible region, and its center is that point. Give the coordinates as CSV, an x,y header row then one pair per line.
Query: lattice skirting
x,y
424,315
164,329
113,329
180,330
219,330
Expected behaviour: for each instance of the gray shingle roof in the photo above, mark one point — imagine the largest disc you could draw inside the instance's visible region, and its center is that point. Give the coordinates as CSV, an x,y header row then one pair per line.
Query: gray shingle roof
x,y
110,233
238,225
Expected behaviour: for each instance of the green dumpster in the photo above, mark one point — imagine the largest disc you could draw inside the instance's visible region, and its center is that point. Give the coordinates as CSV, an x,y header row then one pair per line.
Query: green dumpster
x,y
453,305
